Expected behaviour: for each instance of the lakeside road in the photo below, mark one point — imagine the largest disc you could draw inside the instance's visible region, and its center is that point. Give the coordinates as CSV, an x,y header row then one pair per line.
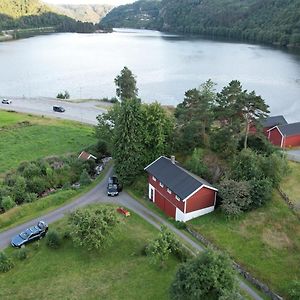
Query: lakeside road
x,y
84,112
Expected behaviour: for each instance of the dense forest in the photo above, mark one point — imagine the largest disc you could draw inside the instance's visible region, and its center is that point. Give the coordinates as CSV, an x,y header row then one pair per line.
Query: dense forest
x,y
267,21
23,14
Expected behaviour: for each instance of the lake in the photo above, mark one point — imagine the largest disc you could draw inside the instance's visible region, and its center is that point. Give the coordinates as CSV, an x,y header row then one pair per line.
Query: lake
x,y
165,65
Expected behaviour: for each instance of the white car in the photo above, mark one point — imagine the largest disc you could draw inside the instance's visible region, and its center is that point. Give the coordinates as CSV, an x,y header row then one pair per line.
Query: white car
x,y
6,101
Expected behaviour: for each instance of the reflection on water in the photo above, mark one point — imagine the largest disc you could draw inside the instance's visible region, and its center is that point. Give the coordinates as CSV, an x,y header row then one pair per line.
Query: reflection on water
x,y
166,66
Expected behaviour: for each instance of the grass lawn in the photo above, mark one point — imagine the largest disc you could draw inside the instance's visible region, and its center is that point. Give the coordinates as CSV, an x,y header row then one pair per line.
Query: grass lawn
x,y
291,183
118,272
40,138
265,241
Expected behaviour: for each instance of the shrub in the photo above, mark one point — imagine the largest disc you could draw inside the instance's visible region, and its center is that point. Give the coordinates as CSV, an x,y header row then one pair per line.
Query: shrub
x,y
209,276
5,263
30,197
36,245
84,178
260,191
160,248
294,291
235,197
180,225
196,163
22,253
53,240
8,203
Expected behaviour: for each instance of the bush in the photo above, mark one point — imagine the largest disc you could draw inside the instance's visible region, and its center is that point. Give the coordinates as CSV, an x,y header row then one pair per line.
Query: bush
x,y
235,197
209,276
22,253
182,253
260,191
8,203
30,197
294,291
36,245
64,95
180,225
53,240
5,263
84,178
196,163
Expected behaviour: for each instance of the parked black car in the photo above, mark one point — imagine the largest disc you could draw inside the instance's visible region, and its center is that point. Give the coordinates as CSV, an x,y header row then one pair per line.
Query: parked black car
x,y
113,186
31,234
58,108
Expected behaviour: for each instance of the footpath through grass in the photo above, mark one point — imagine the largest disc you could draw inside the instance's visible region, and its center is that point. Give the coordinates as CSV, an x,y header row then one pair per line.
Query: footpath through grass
x,y
24,138
120,271
265,241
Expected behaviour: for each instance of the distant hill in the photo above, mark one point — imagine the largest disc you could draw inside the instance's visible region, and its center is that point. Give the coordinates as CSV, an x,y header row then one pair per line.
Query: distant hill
x,y
267,21
24,14
83,13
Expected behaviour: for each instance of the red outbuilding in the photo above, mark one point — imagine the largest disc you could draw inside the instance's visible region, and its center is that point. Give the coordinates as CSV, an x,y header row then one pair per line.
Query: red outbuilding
x,y
269,123
285,135
179,193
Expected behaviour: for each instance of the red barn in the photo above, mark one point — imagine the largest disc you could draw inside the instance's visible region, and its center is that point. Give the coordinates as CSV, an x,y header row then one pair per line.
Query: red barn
x,y
268,123
179,193
285,135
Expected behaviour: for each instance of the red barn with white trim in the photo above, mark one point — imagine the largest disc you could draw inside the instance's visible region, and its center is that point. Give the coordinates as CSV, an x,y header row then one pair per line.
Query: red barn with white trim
x,y
179,193
285,135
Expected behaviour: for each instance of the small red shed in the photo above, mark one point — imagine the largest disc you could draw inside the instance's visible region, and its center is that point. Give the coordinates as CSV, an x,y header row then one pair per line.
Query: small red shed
x,y
285,135
179,193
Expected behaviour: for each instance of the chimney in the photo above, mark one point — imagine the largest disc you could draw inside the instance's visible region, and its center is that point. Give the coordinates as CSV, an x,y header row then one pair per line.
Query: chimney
x,y
173,159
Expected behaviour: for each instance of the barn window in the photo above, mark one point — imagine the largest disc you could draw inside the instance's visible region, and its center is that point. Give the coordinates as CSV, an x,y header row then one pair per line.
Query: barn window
x,y
177,198
169,191
161,184
154,179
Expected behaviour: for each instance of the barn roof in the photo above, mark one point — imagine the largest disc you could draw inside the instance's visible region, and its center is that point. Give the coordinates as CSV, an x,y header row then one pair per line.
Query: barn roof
x,y
290,129
177,179
274,121
86,156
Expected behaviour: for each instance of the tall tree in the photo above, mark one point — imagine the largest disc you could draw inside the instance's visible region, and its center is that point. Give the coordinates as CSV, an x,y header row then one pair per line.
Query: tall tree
x,y
194,115
254,107
158,131
126,85
128,141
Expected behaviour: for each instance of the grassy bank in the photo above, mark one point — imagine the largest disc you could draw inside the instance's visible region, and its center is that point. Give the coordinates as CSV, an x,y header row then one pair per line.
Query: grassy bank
x,y
265,241
118,272
291,183
23,213
25,137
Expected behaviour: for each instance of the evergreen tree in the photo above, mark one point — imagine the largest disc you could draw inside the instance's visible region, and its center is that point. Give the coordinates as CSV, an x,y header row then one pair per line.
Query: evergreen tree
x,y
126,85
128,141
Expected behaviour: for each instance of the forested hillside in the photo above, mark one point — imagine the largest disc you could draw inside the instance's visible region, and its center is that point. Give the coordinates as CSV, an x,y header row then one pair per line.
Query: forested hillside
x,y
267,21
23,14
84,13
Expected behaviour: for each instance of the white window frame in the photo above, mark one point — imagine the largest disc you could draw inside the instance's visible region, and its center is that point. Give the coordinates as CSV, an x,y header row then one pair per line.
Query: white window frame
x,y
153,178
169,191
161,184
177,198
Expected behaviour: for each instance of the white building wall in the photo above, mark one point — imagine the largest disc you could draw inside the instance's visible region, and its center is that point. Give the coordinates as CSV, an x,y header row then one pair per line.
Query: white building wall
x,y
184,217
151,188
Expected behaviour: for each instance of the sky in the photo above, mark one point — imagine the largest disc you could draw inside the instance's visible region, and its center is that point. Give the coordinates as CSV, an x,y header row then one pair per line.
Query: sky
x,y
112,2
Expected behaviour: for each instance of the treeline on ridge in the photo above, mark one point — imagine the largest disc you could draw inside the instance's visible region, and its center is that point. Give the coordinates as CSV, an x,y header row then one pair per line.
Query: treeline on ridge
x,y
267,21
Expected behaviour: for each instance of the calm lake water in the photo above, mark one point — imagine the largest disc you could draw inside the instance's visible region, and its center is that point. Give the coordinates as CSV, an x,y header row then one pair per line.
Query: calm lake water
x,y
165,65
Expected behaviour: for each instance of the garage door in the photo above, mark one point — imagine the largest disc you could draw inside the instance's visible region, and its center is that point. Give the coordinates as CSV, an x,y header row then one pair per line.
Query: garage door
x,y
165,205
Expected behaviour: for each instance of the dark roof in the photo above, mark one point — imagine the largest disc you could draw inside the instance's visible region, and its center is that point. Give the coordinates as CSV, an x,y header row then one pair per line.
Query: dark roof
x,y
290,129
174,177
274,121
